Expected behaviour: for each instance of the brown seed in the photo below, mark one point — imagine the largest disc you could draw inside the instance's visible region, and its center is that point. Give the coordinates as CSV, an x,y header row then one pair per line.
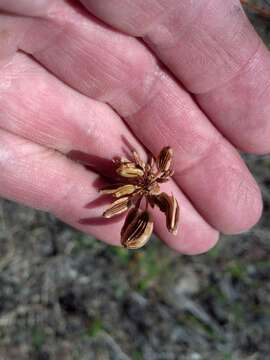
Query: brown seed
x,y
172,217
164,160
119,191
136,233
129,170
168,205
131,215
117,207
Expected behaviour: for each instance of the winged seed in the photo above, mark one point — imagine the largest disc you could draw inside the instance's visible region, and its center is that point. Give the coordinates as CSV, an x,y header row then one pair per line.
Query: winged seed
x,y
138,232
119,191
129,170
131,215
168,205
164,160
117,207
172,217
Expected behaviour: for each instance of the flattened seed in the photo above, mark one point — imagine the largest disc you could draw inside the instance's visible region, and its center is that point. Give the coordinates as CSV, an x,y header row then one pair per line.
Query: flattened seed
x,y
168,205
173,216
164,160
117,207
129,170
120,191
138,232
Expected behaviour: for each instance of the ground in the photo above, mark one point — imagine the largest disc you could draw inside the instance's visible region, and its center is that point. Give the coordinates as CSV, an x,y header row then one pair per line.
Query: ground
x,y
63,295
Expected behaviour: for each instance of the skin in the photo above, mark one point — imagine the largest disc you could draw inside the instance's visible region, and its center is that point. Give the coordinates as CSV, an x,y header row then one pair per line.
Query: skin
x,y
98,78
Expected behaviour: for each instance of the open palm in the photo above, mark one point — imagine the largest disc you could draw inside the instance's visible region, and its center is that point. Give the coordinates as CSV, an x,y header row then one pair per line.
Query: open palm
x,y
91,81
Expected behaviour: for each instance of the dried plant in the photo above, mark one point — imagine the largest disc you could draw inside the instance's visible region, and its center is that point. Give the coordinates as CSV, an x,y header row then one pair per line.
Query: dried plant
x,y
142,181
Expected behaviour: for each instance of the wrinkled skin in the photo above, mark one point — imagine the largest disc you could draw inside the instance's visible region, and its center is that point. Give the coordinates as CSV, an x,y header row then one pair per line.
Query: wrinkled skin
x,y
91,78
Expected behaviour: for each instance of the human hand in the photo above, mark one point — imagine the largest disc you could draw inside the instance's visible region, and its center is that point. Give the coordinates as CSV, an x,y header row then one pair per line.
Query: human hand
x,y
72,85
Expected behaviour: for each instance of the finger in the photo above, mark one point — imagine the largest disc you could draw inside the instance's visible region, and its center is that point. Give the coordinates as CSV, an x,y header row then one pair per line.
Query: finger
x,y
37,106
207,168
57,117
212,48
12,30
195,239
44,179
26,7
168,113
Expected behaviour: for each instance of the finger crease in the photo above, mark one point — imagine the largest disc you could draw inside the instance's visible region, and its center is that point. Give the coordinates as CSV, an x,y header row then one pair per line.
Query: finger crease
x,y
245,66
128,102
150,29
212,147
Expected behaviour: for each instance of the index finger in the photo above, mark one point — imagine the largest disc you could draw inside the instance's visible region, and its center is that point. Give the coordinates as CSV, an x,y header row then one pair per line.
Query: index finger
x,y
213,49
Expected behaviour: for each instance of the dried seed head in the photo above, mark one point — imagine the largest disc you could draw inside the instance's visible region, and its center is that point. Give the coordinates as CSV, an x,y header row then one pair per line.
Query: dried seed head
x,y
117,207
168,205
137,229
142,181
164,160
129,170
119,191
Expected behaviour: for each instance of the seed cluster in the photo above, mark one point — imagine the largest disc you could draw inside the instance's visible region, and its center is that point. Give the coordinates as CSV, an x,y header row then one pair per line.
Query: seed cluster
x,y
140,180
